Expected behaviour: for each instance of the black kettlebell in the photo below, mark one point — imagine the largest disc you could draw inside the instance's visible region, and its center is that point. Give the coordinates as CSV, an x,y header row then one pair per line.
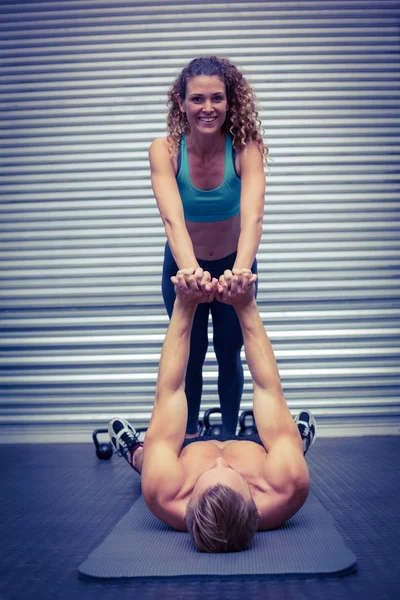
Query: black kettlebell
x,y
247,429
208,428
104,451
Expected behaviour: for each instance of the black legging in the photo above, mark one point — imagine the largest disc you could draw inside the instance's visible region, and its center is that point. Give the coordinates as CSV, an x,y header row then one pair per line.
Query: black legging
x,y
227,339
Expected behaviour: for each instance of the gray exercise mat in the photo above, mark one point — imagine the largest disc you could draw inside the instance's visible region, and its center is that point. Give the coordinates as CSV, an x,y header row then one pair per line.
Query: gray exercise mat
x,y
141,546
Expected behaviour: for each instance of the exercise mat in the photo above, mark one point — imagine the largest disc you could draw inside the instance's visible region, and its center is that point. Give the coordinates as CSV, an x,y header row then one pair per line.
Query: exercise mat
x,y
141,546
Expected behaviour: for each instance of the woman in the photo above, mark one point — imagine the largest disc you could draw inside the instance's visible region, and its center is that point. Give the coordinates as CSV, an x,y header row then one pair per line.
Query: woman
x,y
208,180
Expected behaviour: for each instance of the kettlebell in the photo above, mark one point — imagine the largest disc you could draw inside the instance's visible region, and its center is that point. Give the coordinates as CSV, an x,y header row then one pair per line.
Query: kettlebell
x,y
208,428
104,451
247,429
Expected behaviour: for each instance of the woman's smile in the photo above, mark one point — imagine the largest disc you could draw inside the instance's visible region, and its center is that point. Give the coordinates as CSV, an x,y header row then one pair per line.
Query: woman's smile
x,y
205,104
207,120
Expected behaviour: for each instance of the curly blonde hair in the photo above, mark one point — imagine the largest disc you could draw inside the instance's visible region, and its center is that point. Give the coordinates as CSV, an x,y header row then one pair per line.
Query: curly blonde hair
x,y
241,121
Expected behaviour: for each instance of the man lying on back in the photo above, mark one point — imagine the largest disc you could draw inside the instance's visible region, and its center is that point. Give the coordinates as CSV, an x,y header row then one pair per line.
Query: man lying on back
x,y
222,492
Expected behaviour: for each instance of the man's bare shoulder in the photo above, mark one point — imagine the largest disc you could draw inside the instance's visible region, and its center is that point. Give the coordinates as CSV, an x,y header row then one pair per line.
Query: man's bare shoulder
x,y
162,480
287,483
162,473
172,512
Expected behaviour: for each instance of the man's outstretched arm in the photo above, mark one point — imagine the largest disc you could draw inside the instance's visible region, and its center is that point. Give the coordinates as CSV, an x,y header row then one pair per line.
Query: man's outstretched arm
x,y
161,472
286,471
271,413
169,417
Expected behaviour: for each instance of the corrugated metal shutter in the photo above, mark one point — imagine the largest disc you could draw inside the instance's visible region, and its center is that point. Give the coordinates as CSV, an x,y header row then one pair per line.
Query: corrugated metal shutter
x,y
83,94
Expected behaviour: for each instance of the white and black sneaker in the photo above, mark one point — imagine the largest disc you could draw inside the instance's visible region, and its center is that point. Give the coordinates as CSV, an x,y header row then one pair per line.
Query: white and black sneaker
x,y
124,438
307,427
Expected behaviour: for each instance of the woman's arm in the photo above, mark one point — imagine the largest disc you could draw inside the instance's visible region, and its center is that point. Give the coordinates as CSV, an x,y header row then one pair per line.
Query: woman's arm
x,y
251,206
170,205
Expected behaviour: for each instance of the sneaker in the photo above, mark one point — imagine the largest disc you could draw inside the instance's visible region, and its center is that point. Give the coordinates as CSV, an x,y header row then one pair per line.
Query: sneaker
x,y
124,438
307,427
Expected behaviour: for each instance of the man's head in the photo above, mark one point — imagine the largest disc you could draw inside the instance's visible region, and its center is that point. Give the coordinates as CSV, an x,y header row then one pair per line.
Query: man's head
x,y
221,515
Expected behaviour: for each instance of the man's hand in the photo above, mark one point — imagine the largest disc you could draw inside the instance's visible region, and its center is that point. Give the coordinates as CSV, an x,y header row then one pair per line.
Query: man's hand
x,y
236,287
194,286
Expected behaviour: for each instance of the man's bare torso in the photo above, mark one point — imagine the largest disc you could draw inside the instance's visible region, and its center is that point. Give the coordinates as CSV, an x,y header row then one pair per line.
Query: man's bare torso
x,y
246,457
274,502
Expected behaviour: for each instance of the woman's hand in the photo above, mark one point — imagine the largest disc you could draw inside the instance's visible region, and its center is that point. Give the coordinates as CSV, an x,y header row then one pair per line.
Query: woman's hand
x,y
236,287
244,279
194,286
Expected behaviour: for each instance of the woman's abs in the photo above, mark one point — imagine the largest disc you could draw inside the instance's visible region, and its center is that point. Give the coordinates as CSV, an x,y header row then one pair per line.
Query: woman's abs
x,y
215,240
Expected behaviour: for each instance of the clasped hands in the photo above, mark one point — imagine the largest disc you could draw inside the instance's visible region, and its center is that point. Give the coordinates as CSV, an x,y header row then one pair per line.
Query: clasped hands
x,y
196,286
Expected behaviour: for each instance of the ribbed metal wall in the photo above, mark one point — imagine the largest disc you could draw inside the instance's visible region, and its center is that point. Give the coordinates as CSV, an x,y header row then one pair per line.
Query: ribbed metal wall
x,y
83,95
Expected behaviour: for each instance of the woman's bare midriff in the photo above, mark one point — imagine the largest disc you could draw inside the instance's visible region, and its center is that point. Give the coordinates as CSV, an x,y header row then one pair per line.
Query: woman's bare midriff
x,y
213,241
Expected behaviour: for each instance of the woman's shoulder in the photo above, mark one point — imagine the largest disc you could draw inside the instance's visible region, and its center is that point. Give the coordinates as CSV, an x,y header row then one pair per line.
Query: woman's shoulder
x,y
160,154
249,153
159,144
159,150
250,146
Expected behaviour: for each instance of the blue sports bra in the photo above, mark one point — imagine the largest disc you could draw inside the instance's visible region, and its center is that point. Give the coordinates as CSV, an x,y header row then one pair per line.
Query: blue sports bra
x,y
205,206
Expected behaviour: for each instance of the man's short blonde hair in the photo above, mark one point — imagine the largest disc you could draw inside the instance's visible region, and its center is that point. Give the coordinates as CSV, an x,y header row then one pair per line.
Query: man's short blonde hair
x,y
222,520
